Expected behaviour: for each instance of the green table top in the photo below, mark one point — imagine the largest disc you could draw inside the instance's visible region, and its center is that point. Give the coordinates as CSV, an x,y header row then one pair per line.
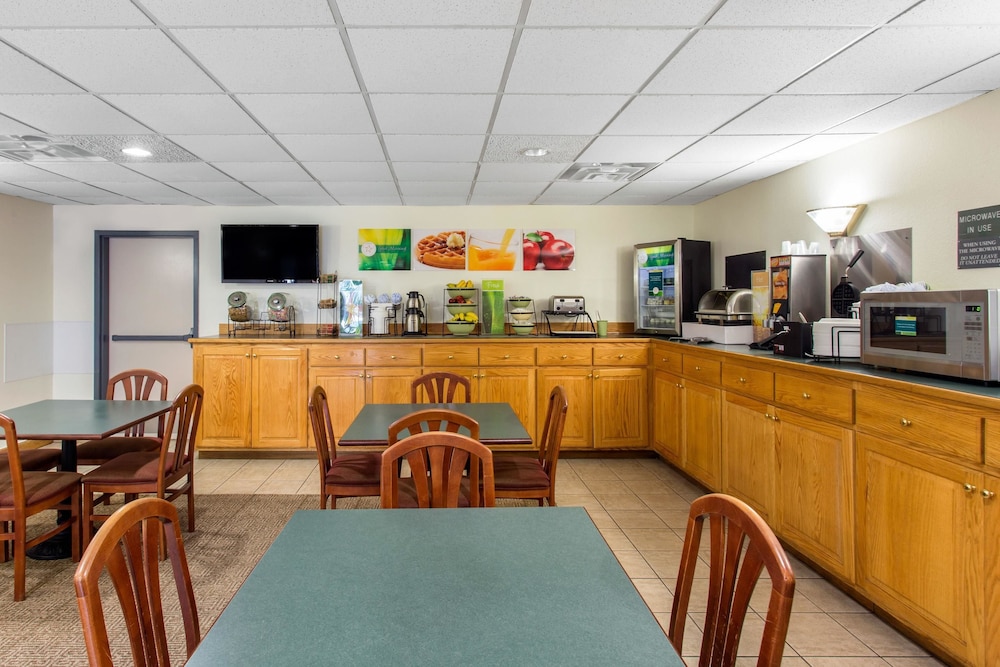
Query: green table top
x,y
498,423
81,419
498,586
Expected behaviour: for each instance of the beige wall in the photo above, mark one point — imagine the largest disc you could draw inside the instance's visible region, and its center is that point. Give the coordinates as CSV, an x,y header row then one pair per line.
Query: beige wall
x,y
25,295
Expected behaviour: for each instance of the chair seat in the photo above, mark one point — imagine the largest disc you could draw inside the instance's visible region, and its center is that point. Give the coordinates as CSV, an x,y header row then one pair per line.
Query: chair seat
x,y
518,472
38,487
33,459
408,494
355,469
132,468
105,449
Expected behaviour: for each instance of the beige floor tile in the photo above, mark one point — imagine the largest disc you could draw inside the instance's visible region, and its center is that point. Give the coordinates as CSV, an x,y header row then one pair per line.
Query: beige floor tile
x,y
653,538
878,636
619,501
929,661
572,486
585,500
826,596
239,486
601,519
874,661
636,519
608,486
665,564
616,539
655,594
667,502
634,564
675,519
278,486
591,469
820,636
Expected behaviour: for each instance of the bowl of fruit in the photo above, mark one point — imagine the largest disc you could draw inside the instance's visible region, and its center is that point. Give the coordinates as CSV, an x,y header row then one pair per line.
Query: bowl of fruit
x,y
461,307
519,301
463,288
522,329
462,324
521,315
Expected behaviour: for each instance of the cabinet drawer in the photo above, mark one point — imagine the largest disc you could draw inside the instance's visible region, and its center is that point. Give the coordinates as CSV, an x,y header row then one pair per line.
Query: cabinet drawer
x,y
628,354
667,359
992,438
393,355
816,397
747,380
451,355
506,355
565,355
948,428
702,369
336,355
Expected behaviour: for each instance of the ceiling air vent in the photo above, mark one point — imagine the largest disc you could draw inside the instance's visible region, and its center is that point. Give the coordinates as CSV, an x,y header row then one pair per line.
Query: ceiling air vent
x,y
605,172
31,148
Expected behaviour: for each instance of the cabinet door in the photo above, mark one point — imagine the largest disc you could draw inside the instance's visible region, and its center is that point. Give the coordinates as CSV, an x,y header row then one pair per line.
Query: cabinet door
x,y
992,573
667,415
701,455
620,399
749,463
223,371
279,398
815,494
578,383
389,385
345,391
509,385
920,543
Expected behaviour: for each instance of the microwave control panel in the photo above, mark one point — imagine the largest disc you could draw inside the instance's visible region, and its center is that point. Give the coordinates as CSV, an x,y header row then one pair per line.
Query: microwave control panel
x,y
972,330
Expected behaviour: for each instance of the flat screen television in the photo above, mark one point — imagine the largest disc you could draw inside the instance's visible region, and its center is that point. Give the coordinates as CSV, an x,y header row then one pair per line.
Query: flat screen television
x,y
738,268
270,253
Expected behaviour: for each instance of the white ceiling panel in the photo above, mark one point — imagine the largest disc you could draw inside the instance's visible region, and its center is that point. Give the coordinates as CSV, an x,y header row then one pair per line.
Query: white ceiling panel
x,y
187,114
580,194
802,114
952,12
430,12
141,191
17,172
115,61
232,147
433,114
33,195
901,111
9,126
735,149
263,171
817,146
208,189
434,148
69,114
240,12
262,60
511,148
95,171
435,171
287,189
21,73
328,147
349,171
519,172
179,171
556,114
980,77
67,189
649,192
619,12
56,13
521,191
356,190
679,114
798,13
634,149
691,171
435,188
310,113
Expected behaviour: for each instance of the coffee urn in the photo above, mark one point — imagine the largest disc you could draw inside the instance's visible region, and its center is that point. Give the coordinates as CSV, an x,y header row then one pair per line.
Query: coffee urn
x,y
414,317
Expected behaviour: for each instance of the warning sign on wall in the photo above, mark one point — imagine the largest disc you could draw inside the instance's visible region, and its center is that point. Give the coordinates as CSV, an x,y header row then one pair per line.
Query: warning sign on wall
x,y
979,238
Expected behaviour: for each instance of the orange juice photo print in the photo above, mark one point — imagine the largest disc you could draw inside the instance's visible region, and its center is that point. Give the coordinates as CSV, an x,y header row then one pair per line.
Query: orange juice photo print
x,y
494,249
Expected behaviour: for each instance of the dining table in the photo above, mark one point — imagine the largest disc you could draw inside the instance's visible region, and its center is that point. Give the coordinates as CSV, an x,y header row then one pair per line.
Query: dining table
x,y
472,586
498,423
72,420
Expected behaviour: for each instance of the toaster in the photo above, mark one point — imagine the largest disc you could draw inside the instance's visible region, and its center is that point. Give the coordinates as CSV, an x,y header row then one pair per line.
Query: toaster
x,y
568,305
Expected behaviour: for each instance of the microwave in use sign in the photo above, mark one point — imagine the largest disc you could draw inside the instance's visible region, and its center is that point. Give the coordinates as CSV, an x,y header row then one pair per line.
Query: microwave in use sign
x,y
979,238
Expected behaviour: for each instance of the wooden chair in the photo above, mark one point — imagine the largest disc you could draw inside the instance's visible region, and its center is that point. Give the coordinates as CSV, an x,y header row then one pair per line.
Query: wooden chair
x,y
438,461
440,388
340,475
32,459
26,493
139,384
432,419
129,548
151,472
742,546
519,476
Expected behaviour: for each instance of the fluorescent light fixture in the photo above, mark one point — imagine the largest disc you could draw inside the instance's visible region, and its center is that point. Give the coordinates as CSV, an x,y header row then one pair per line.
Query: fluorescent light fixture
x,y
135,151
837,220
535,152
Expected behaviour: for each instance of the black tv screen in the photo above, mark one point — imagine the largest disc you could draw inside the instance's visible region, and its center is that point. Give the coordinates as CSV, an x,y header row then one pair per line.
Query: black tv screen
x,y
270,253
738,268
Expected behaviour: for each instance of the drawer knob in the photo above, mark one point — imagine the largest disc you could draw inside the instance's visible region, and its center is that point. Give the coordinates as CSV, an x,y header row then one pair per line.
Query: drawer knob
x,y
697,368
393,356
806,396
369,376
773,418
969,488
506,356
664,360
621,356
451,356
565,356
597,376
987,494
361,375
679,386
336,356
247,355
743,380
905,422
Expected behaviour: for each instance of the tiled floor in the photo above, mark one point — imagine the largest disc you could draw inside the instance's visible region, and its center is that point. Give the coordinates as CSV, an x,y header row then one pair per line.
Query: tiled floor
x,y
640,506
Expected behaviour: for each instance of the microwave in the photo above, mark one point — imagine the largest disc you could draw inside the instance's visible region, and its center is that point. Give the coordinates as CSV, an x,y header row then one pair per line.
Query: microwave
x,y
952,333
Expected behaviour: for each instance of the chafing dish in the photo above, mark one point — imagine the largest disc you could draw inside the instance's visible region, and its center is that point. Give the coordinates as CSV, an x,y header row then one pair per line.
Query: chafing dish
x,y
725,306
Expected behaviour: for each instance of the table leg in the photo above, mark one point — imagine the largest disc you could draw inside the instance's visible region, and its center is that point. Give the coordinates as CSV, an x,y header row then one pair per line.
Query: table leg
x,y
59,545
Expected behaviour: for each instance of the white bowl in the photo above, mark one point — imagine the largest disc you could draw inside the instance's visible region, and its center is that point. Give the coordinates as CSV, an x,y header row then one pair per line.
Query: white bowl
x,y
521,315
456,308
518,302
522,329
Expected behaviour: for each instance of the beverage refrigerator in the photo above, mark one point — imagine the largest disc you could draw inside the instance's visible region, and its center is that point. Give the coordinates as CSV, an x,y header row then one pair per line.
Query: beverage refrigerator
x,y
670,277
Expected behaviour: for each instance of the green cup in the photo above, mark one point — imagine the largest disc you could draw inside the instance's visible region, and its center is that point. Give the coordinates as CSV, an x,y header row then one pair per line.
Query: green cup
x,y
602,328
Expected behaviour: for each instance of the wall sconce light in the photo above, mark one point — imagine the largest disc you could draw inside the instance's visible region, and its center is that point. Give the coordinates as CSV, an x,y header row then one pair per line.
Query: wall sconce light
x,y
837,220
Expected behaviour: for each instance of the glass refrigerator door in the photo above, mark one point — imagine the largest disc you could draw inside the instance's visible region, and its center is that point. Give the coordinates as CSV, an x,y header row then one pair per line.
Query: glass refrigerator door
x,y
656,284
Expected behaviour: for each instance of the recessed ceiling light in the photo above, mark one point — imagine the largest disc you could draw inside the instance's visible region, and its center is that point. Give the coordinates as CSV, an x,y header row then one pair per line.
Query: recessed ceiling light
x,y
535,152
135,151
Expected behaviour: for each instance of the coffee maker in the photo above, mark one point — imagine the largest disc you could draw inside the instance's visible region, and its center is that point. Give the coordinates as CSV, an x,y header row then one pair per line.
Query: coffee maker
x,y
414,315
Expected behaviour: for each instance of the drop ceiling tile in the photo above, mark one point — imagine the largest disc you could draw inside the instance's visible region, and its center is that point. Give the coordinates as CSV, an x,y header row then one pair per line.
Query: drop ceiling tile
x,y
511,147
643,192
287,189
319,199
179,172
818,146
68,189
210,189
435,189
115,61
363,200
16,172
434,171
434,148
576,193
734,149
68,114
802,114
904,110
20,73
679,114
435,200
525,192
358,191
33,195
760,169
952,12
425,60
893,60
983,76
231,147
273,60
34,13
688,199
432,114
798,13
239,200
634,149
349,171
310,114
187,114
762,60
691,171
325,147
140,191
429,12
556,114
240,12
619,13
96,171
498,200
588,60
105,200
262,171
10,126
520,172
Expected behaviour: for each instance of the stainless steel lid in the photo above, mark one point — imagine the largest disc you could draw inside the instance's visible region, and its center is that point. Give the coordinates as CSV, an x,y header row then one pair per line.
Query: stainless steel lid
x,y
725,304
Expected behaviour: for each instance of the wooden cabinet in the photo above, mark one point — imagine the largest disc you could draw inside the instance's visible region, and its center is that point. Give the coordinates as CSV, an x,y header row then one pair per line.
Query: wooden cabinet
x,y
390,371
749,455
340,371
255,396
667,405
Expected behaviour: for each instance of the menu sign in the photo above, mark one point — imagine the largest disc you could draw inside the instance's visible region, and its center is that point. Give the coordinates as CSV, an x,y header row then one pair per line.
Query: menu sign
x,y
979,238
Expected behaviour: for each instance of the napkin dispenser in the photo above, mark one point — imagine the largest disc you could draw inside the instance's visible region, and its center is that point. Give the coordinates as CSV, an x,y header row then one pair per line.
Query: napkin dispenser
x,y
794,339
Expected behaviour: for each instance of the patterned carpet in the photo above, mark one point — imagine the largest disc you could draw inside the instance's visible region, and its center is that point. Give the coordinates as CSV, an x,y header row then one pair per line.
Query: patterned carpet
x,y
232,534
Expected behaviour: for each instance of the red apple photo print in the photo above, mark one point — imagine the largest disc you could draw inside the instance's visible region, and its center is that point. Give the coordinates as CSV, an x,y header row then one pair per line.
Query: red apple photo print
x,y
549,250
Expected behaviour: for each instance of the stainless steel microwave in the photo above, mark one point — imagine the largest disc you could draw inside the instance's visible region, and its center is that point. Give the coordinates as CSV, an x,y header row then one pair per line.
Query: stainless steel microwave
x,y
951,333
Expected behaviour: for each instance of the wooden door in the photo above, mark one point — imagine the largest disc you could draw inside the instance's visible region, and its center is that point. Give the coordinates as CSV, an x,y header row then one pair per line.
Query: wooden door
x,y
224,373
345,391
578,383
279,397
510,385
667,416
389,385
620,399
749,463
701,456
991,513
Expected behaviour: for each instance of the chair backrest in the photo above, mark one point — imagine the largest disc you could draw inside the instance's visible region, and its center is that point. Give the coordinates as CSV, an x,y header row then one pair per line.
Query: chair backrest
x,y
552,431
139,384
15,471
438,461
182,426
433,419
742,546
128,546
322,429
441,388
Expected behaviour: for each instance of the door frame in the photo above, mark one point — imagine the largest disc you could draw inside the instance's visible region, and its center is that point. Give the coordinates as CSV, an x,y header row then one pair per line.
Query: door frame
x,y
102,297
